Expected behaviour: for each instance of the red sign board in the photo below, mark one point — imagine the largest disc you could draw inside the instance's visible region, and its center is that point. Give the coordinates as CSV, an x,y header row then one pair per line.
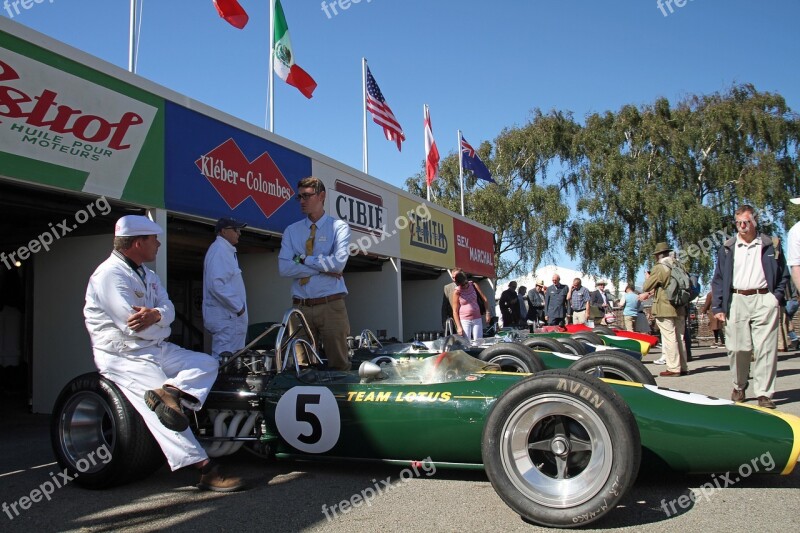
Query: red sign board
x,y
474,249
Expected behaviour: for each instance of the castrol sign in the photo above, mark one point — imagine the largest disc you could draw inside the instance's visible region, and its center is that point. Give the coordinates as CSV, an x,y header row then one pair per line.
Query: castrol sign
x,y
48,115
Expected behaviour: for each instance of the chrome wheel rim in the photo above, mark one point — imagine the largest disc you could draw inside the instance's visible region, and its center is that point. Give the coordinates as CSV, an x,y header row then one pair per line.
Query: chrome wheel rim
x,y
556,451
510,363
86,424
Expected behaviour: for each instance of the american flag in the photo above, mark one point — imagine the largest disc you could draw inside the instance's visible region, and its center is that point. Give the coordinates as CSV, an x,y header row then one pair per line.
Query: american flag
x,y
381,114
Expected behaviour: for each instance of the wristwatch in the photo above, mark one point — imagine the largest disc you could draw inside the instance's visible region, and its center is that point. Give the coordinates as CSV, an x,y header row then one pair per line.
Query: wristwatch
x,y
300,259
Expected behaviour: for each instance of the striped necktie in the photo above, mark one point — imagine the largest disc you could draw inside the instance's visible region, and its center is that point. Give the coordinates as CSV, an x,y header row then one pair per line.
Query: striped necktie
x,y
309,248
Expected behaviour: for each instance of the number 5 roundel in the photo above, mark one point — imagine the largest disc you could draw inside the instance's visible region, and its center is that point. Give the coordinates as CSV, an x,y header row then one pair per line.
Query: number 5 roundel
x,y
308,419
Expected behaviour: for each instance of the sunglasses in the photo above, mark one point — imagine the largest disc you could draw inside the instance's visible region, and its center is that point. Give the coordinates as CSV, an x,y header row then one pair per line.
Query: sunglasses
x,y
743,223
305,196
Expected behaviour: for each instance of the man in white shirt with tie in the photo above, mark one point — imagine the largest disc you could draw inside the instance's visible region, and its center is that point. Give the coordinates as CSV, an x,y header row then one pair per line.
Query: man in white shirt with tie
x,y
224,298
314,252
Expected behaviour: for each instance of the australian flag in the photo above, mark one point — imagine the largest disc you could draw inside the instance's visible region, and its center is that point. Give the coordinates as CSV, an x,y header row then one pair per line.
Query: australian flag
x,y
471,161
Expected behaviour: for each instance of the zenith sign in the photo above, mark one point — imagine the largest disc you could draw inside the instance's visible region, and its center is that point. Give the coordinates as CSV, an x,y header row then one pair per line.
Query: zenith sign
x,y
236,179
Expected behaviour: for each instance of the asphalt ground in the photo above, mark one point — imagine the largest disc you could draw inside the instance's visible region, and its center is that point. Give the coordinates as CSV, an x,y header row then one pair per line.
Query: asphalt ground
x,y
305,496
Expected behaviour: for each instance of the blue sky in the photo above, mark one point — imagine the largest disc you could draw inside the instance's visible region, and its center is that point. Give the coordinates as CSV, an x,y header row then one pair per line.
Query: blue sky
x,y
480,66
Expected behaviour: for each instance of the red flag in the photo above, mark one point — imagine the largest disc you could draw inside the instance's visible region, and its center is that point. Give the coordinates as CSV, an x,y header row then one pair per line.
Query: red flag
x,y
231,11
431,152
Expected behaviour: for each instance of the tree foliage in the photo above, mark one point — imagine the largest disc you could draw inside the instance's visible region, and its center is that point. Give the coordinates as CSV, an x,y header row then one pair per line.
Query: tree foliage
x,y
637,176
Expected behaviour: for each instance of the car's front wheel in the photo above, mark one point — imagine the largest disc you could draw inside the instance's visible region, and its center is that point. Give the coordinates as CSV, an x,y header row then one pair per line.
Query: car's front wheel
x,y
561,448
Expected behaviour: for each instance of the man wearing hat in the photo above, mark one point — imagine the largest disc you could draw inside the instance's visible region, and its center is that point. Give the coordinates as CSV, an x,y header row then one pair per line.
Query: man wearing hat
x,y
748,288
536,304
224,298
600,299
128,315
671,321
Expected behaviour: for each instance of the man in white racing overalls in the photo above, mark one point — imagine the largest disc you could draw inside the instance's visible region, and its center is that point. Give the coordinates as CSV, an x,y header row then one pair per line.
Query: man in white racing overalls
x,y
128,314
224,299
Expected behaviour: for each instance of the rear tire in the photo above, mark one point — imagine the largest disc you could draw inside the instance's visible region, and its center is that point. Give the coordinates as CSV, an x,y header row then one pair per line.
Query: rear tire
x,y
98,437
603,330
614,366
561,448
544,343
573,346
512,357
588,336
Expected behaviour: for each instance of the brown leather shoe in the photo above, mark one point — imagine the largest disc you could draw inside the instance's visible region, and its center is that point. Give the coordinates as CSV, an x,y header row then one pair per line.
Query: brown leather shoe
x,y
765,402
212,479
669,373
737,395
164,403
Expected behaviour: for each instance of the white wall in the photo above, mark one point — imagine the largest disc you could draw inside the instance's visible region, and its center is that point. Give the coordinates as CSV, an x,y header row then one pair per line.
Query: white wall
x,y
61,346
269,296
422,305
373,301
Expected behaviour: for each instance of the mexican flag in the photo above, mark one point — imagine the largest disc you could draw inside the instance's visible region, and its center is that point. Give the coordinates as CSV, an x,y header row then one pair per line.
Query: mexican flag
x,y
283,62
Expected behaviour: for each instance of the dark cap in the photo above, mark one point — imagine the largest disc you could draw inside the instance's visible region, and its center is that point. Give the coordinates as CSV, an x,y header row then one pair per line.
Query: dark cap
x,y
228,223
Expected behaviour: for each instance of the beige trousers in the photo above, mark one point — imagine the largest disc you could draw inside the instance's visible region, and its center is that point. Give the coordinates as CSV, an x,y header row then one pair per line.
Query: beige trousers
x,y
751,333
673,344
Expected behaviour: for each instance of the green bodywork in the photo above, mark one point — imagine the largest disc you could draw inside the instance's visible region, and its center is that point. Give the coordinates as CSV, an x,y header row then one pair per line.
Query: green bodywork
x,y
442,417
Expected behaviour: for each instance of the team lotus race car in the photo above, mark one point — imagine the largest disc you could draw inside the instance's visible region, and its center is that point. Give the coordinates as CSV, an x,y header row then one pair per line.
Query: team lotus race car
x,y
586,352
560,446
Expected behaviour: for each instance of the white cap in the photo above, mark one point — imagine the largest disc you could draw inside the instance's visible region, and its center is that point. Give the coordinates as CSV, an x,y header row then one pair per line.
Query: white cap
x,y
136,225
795,201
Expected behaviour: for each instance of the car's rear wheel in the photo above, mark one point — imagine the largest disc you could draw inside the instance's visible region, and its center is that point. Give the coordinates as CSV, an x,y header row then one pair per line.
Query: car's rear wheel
x,y
512,357
544,343
603,330
588,336
98,437
561,448
614,366
574,347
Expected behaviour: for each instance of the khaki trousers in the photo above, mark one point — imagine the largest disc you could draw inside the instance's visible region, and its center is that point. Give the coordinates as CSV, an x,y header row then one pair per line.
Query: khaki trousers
x,y
673,344
751,333
330,326
579,317
630,322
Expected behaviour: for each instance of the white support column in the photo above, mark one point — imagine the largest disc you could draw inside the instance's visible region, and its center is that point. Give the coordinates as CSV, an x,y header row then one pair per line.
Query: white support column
x,y
397,263
159,216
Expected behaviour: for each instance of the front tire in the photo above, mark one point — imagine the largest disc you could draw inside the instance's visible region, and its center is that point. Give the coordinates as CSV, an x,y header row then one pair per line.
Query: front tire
x,y
98,437
561,448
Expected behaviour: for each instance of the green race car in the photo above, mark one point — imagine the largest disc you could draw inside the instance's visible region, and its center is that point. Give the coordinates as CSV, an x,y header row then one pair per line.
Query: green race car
x,y
560,447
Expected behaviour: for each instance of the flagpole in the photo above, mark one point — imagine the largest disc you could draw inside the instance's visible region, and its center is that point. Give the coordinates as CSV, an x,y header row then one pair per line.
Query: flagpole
x,y
365,157
132,37
461,171
271,76
424,116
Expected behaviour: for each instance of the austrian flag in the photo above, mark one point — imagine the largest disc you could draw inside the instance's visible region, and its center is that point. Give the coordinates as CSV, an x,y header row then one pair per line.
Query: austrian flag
x,y
231,11
283,58
431,152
